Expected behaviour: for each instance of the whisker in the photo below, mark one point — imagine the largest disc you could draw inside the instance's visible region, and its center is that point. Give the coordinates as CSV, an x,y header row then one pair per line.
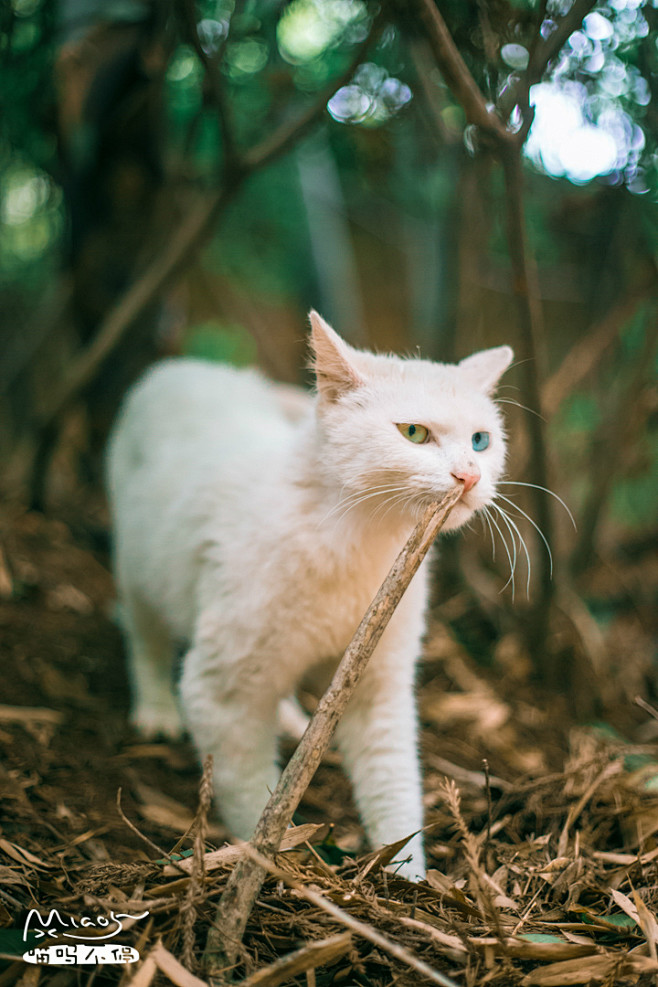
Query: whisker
x,y
507,551
385,506
514,558
518,483
485,517
390,502
512,530
345,504
523,407
535,526
397,494
510,521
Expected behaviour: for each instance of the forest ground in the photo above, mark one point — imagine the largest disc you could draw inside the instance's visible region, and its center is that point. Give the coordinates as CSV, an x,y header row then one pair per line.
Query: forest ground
x,y
544,873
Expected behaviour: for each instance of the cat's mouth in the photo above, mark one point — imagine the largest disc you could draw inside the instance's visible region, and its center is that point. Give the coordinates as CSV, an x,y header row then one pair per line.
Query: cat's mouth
x,y
470,501
459,515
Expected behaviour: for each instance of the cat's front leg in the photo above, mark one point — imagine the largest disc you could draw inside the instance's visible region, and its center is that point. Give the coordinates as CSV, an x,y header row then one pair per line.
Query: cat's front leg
x,y
150,653
378,740
231,712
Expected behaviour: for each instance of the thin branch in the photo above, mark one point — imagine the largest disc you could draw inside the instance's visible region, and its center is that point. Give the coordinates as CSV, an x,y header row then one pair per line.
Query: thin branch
x,y
247,877
289,132
546,49
457,74
509,147
166,265
142,836
211,65
538,39
610,446
586,352
542,52
530,352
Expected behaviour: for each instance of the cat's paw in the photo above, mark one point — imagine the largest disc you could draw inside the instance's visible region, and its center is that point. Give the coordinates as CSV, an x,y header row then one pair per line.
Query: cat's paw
x,y
410,861
157,721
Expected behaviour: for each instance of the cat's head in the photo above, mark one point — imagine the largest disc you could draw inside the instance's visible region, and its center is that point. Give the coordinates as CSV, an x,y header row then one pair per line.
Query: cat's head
x,y
398,432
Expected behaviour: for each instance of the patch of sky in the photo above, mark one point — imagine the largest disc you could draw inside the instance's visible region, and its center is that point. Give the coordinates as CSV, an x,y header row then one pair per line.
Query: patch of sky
x,y
582,128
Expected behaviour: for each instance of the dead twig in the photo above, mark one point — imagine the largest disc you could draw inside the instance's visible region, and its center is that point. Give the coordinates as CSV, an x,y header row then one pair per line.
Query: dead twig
x,y
247,876
306,959
211,63
530,354
142,836
647,707
586,353
457,75
198,874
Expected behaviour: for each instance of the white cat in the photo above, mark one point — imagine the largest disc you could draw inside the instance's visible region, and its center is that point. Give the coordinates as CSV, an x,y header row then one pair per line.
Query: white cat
x,y
255,523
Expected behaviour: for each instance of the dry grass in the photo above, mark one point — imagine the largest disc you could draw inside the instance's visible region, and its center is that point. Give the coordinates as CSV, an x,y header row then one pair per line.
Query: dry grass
x,y
543,866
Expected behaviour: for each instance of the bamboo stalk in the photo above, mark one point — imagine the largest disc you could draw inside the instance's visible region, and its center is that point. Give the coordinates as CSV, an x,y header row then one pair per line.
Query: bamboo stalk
x,y
246,879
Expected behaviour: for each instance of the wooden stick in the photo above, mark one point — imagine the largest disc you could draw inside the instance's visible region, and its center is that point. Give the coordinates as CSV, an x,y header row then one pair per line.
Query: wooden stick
x,y
247,877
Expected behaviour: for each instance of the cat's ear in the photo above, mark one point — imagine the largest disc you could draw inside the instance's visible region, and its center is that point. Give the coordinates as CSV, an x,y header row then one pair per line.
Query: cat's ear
x,y
332,360
485,368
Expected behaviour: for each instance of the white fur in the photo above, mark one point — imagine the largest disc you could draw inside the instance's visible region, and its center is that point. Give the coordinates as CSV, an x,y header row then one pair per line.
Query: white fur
x,y
236,533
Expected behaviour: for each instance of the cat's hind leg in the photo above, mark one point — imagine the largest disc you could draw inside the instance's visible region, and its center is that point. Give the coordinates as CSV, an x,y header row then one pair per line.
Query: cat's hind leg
x,y
150,652
292,718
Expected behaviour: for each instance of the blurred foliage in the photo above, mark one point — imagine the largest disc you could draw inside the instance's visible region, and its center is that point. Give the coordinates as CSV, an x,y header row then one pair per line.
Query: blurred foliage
x,y
268,245
31,212
220,342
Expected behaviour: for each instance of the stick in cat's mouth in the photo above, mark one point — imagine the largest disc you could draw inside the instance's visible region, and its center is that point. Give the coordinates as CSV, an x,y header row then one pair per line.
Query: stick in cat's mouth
x,y
246,879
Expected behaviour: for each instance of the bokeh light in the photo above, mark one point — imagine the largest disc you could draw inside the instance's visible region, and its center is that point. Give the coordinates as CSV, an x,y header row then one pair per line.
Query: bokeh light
x,y
372,98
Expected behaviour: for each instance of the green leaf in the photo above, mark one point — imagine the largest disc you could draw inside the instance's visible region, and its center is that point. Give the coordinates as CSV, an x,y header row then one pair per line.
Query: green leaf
x,y
174,856
621,921
540,937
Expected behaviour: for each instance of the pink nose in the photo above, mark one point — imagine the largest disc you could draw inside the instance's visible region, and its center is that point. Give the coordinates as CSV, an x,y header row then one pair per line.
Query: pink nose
x,y
469,477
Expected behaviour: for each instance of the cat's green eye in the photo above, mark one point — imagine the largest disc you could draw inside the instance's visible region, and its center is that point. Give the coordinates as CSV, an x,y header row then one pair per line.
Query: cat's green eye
x,y
415,433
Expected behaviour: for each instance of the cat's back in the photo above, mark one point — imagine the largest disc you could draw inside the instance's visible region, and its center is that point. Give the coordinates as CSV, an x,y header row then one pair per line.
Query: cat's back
x,y
185,467
185,414
186,398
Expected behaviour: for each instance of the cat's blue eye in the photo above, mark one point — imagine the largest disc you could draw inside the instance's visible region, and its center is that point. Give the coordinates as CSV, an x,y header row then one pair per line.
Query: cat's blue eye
x,y
480,441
